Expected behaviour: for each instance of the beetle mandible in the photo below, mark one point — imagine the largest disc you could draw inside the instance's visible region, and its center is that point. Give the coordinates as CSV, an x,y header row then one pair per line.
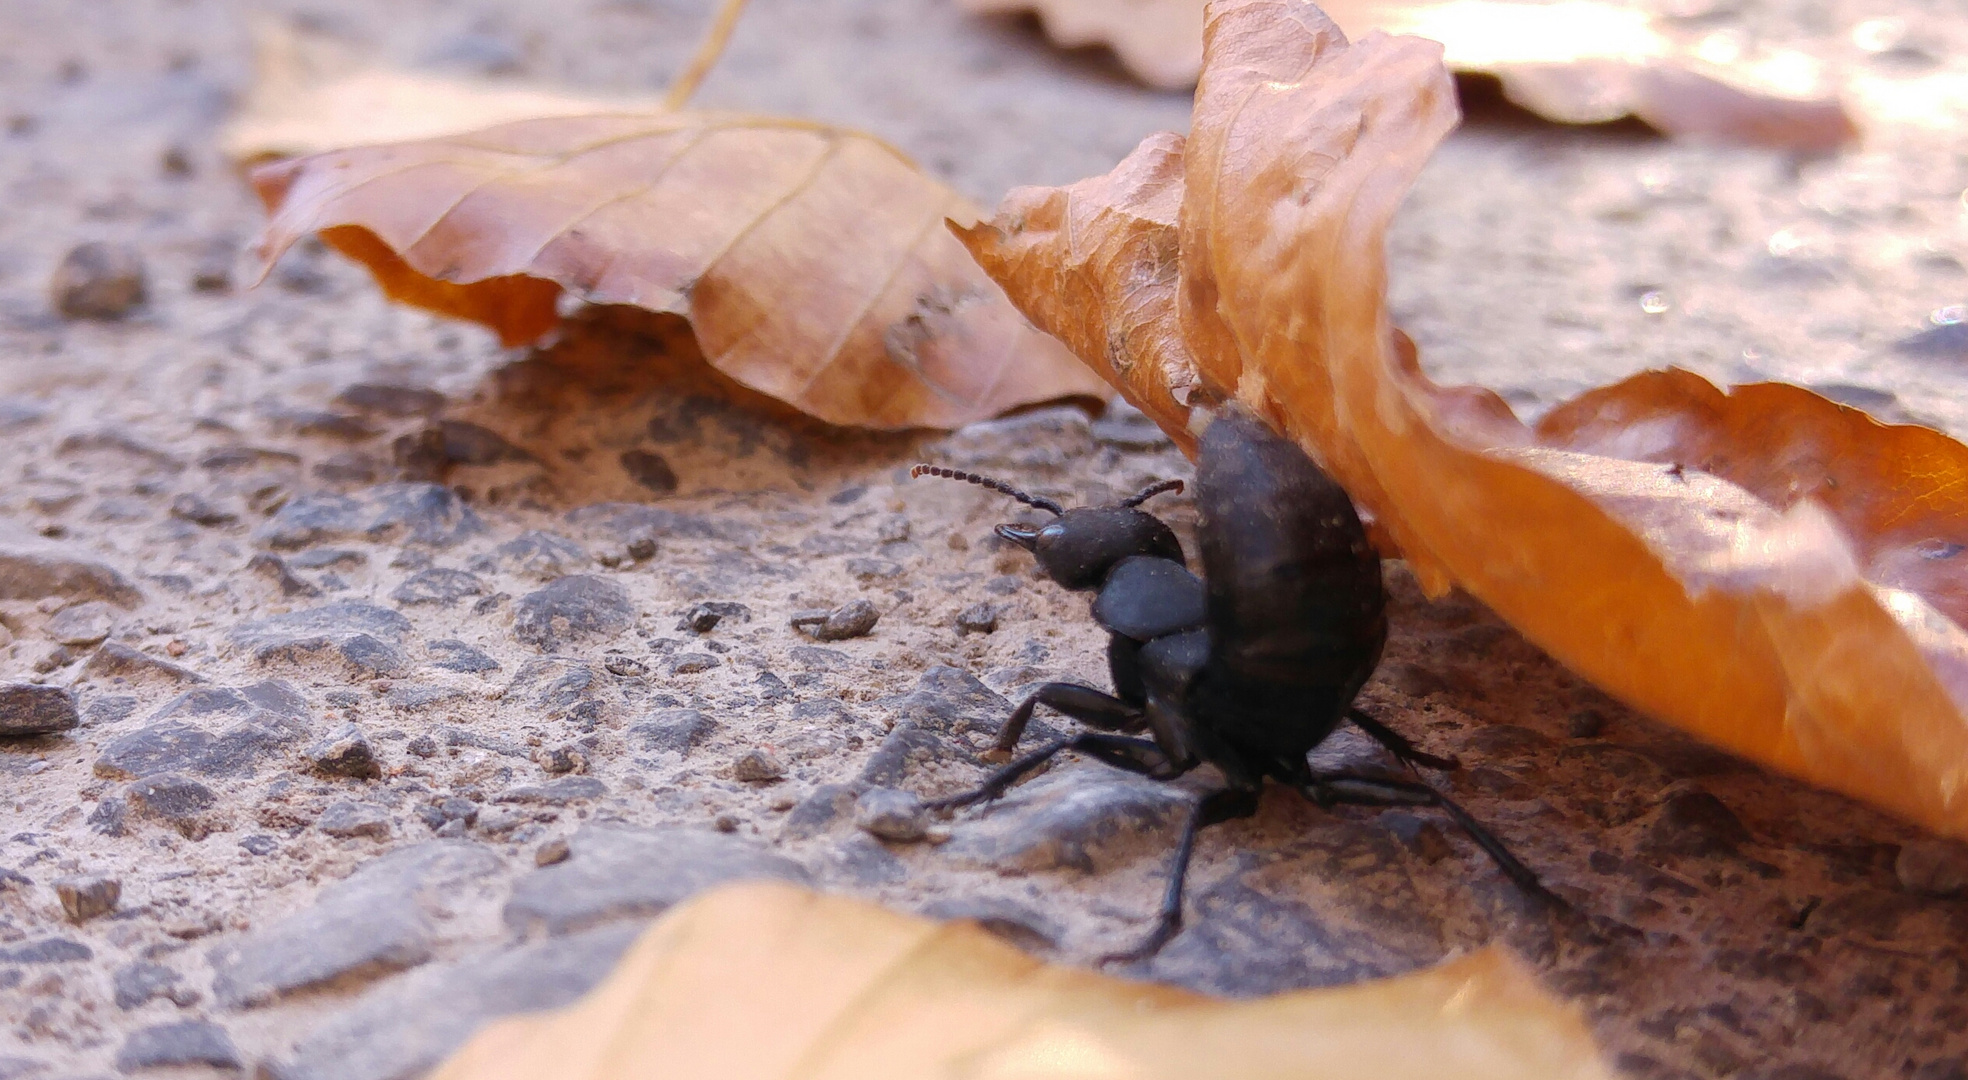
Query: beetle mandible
x,y
1246,668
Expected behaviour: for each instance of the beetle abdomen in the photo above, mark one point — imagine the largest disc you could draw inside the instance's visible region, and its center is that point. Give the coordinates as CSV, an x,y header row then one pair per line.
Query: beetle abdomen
x,y
1296,604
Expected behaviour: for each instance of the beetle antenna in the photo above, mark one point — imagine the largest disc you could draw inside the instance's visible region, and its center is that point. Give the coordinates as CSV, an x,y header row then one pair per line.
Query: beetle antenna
x,y
1151,491
1040,502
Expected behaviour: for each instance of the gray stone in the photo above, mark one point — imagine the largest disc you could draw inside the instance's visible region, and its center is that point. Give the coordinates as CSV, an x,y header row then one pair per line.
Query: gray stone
x,y
88,896
405,1027
624,522
454,655
650,470
618,872
1126,428
862,859
1933,867
437,586
827,805
758,765
427,514
384,917
850,620
681,730
31,709
328,559
361,636
556,792
1694,823
116,661
347,819
703,618
628,667
1255,932
574,609
889,814
1023,926
98,281
109,709
51,950
17,1068
535,554
185,1042
32,567
86,623
137,984
467,443
175,800
345,751
951,701
276,571
691,663
192,508
389,399
418,697
872,569
1088,818
270,716
978,618
109,817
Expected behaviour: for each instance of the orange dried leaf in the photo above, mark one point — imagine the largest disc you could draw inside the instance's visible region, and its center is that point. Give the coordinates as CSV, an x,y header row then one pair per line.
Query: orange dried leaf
x,y
1765,569
812,262
764,981
1572,61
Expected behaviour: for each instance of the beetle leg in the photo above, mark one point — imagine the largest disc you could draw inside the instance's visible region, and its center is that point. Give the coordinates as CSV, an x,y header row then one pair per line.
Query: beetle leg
x,y
1135,755
1082,703
1397,744
1214,808
1328,789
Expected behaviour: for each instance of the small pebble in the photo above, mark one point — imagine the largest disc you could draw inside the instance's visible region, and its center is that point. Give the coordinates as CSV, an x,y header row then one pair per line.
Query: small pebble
x,y
650,470
1586,724
189,507
888,814
551,852
851,620
33,709
88,896
99,281
701,619
758,765
727,823
893,530
979,618
350,819
345,752
1933,867
642,549
561,760
83,624
626,666
691,663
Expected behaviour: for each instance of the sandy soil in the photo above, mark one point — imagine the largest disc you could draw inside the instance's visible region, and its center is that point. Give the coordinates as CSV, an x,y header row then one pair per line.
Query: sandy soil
x,y
1737,924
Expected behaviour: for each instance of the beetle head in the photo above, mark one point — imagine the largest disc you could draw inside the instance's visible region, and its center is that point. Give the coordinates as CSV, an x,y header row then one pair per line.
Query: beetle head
x,y
1079,546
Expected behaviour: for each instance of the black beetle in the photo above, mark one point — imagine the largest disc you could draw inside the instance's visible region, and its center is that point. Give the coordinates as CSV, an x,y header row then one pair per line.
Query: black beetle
x,y
1247,668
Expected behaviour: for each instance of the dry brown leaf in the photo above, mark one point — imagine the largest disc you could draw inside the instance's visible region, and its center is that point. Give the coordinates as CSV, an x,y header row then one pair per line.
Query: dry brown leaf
x,y
1766,569
1572,61
812,262
767,981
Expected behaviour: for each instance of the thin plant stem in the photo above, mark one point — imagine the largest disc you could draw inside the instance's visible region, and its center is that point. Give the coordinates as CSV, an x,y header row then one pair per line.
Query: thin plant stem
x,y
706,57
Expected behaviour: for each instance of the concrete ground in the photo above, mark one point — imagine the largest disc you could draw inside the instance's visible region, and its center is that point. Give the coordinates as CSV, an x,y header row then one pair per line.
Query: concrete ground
x,y
392,720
